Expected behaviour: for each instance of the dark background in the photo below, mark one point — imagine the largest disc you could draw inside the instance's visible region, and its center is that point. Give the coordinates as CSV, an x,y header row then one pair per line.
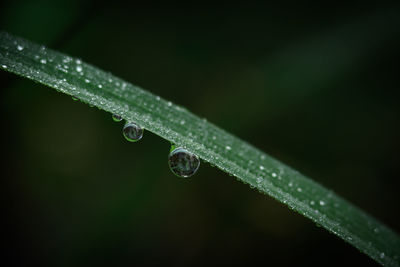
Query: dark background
x,y
316,86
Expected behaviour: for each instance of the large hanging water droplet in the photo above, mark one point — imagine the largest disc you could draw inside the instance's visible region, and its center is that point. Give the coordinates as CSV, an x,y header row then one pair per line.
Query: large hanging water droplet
x,y
116,118
183,163
132,132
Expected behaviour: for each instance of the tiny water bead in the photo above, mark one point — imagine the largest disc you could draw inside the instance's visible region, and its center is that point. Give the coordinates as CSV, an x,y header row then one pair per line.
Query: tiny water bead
x,y
116,118
183,163
132,132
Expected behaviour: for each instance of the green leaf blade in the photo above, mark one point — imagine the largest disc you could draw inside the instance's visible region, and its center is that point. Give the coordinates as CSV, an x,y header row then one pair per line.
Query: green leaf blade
x,y
214,145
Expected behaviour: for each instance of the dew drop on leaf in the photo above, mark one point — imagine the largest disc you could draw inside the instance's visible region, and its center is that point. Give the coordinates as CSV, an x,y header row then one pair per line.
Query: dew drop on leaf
x,y
132,132
116,118
182,162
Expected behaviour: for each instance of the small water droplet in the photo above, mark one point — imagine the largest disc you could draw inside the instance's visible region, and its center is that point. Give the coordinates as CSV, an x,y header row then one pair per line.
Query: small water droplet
x,y
262,167
182,122
182,162
322,203
43,61
274,174
312,202
78,68
116,117
20,47
169,104
4,66
100,86
290,184
382,255
228,148
299,189
78,61
132,132
214,137
87,81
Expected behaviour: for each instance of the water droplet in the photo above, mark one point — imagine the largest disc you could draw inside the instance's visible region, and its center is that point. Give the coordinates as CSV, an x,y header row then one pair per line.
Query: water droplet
x,y
262,167
132,132
183,163
228,148
20,48
322,203
299,189
214,137
43,61
182,122
290,184
87,81
382,255
78,61
116,117
4,66
312,202
274,174
78,68
169,104
100,86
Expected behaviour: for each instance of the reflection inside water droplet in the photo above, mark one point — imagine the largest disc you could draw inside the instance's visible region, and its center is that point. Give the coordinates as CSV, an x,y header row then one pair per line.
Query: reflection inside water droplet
x,y
132,132
116,117
182,162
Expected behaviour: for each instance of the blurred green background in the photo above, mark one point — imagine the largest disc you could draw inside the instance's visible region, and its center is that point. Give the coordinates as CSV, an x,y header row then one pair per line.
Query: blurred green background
x,y
316,86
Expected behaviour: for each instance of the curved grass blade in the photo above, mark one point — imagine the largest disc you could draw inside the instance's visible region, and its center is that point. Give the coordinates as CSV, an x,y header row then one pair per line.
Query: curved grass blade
x,y
214,145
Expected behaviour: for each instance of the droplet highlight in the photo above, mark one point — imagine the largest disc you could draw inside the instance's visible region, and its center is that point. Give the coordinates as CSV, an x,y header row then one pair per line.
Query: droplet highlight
x,y
183,163
132,132
116,118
